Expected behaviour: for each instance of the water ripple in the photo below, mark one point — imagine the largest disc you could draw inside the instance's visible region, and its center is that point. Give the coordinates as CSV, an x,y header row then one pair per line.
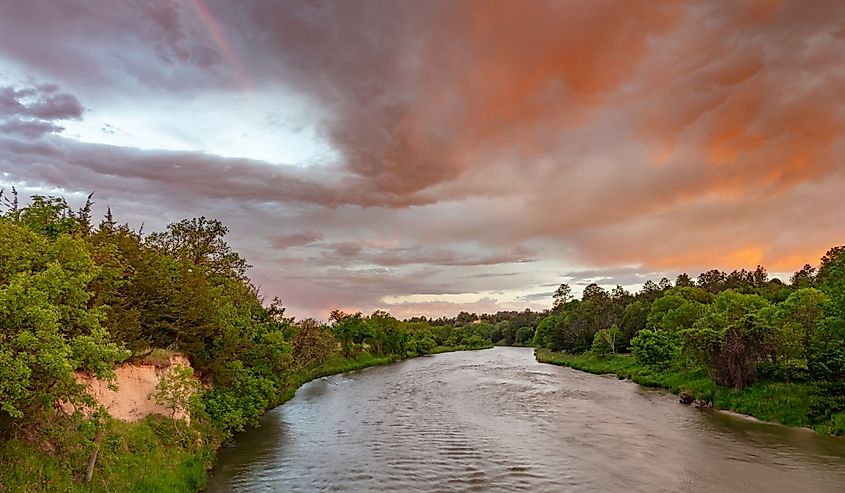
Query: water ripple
x,y
497,421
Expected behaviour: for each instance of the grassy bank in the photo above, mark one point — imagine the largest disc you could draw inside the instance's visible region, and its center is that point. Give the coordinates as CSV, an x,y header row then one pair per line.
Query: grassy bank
x,y
451,349
341,364
337,364
778,402
149,456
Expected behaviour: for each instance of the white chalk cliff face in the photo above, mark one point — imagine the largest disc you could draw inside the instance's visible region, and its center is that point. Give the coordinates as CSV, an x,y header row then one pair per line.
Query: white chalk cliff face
x,y
136,383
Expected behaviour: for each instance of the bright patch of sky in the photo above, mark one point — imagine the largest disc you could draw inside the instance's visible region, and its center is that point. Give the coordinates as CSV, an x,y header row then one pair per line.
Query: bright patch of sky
x,y
267,127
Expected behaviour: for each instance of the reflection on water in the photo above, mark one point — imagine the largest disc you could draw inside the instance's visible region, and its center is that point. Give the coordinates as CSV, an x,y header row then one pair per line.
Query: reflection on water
x,y
496,420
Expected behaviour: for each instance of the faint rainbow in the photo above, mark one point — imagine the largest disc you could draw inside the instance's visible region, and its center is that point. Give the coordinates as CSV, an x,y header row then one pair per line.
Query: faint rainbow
x,y
215,30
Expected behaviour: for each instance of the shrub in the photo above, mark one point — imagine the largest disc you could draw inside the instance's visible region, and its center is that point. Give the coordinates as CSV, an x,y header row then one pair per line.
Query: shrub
x,y
654,347
606,341
475,342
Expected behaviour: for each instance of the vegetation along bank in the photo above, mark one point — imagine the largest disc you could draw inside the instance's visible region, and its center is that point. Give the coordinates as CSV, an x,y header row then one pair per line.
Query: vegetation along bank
x,y
737,341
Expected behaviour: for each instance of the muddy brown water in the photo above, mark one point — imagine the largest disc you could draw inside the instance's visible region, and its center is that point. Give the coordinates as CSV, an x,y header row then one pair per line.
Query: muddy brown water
x,y
496,420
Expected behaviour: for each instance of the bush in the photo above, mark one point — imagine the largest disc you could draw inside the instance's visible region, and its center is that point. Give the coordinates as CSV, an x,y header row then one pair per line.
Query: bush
x,y
475,342
827,360
524,335
829,406
425,345
782,371
605,342
655,348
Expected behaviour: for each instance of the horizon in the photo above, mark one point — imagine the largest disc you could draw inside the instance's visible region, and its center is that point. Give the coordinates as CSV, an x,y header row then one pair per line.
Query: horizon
x,y
453,156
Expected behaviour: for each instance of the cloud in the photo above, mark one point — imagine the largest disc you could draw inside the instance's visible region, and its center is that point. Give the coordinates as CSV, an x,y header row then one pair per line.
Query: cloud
x,y
449,309
623,276
102,47
544,296
298,239
364,253
30,112
476,146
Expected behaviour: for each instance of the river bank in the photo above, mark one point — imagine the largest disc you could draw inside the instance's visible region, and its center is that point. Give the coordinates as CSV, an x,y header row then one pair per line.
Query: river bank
x,y
775,402
148,456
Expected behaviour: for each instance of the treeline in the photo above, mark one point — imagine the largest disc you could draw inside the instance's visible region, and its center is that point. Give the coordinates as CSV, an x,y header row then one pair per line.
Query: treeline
x,y
737,327
76,296
507,328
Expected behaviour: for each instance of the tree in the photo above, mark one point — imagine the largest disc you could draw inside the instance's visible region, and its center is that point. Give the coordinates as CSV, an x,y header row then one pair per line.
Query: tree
x,y
729,338
49,216
683,280
804,277
713,280
594,292
475,342
740,348
524,335
311,344
661,307
673,313
634,319
606,342
801,312
562,296
200,242
11,204
783,339
831,279
650,291
348,329
543,331
179,391
49,327
759,277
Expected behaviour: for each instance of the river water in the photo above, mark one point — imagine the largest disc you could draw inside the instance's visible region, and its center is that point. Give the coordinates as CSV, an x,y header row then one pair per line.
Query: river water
x,y
496,420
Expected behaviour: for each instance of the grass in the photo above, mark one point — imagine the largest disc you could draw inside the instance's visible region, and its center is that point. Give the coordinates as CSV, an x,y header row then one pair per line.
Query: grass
x,y
777,402
153,356
450,349
148,456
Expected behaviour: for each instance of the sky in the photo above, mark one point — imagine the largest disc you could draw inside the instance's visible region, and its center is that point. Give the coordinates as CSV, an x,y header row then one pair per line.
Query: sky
x,y
429,157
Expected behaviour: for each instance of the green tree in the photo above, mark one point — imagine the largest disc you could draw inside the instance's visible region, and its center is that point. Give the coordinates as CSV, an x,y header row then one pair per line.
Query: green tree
x,y
562,295
606,341
48,331
673,313
348,329
179,391
544,329
804,277
634,319
729,346
524,335
801,312
201,242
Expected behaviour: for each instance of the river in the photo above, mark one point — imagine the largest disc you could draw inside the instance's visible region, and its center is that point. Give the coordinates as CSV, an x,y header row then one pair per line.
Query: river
x,y
496,420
